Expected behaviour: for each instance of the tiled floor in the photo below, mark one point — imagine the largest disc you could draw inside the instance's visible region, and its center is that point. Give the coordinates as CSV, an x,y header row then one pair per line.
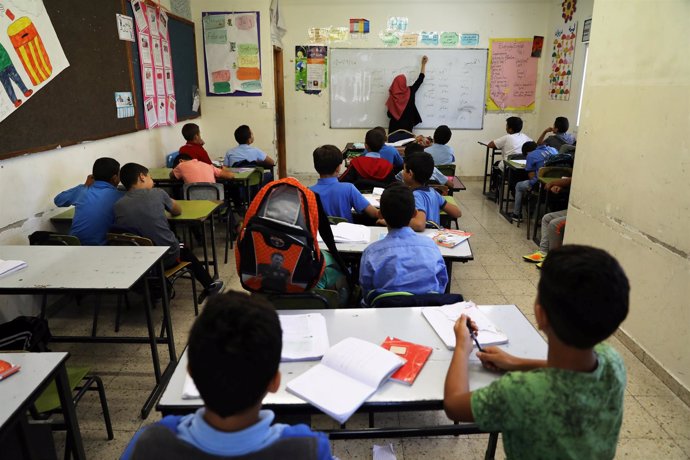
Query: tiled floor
x,y
656,423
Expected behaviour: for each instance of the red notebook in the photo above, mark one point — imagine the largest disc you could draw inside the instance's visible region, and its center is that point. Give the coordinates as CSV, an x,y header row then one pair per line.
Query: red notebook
x,y
415,356
7,369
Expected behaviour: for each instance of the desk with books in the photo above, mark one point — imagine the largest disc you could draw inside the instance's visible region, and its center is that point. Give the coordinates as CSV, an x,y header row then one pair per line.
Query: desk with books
x,y
373,325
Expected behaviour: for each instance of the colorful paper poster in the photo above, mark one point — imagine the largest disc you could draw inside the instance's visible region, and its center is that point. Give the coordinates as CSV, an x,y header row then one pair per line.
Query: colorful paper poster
x,y
316,68
397,24
409,40
157,77
469,40
562,56
390,39
300,68
450,39
30,53
537,45
512,75
125,28
232,53
429,38
181,8
124,103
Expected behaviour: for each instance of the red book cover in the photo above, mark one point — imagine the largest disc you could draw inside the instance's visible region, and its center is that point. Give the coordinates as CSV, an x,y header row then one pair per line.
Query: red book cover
x,y
7,369
415,356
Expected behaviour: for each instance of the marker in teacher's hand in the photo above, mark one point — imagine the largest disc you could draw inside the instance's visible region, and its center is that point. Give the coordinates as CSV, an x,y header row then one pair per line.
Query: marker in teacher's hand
x,y
473,335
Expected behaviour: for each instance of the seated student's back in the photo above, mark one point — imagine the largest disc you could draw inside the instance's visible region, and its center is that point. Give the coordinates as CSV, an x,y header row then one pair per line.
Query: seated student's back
x,y
436,176
441,152
191,170
234,353
244,153
387,152
195,144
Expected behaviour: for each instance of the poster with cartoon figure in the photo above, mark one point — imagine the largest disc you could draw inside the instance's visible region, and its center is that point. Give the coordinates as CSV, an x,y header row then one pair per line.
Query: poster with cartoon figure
x,y
30,53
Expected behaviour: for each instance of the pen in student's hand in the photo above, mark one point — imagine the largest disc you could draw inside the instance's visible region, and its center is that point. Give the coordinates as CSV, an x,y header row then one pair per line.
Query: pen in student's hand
x,y
474,337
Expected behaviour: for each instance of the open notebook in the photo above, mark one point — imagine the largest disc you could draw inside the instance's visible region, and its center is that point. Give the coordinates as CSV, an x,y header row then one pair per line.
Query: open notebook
x,y
442,319
346,232
11,266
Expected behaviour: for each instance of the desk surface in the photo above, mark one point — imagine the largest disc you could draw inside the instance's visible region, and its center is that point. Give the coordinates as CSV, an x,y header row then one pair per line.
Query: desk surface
x,y
78,267
161,175
515,165
21,387
373,325
191,210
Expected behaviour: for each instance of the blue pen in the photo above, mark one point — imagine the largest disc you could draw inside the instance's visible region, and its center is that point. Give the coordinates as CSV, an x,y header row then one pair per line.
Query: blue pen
x,y
474,337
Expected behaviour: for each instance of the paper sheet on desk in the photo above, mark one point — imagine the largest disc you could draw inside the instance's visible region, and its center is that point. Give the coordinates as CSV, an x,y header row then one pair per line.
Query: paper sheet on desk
x,y
305,337
11,266
346,232
520,162
442,319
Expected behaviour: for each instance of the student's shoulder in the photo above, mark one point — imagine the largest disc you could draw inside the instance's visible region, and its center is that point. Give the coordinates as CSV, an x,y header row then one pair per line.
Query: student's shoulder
x,y
304,431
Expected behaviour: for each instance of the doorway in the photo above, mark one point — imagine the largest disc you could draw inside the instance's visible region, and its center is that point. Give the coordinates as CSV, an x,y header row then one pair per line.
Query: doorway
x,y
280,109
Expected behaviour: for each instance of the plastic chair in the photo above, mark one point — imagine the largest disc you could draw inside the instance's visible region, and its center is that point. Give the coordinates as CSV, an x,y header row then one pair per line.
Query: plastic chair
x,y
299,301
172,274
545,171
447,170
170,159
213,191
377,299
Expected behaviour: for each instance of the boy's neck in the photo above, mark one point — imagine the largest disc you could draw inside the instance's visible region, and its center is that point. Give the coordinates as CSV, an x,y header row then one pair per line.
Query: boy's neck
x,y
232,423
562,356
326,176
414,185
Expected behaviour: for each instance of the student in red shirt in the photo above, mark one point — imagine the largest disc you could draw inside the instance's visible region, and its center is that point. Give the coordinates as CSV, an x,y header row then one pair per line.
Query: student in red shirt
x,y
194,146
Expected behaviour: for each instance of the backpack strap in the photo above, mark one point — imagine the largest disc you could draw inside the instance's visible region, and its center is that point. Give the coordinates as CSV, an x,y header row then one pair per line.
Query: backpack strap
x,y
327,236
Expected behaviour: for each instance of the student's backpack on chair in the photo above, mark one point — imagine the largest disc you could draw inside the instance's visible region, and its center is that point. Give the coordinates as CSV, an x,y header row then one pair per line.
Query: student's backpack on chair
x,y
277,250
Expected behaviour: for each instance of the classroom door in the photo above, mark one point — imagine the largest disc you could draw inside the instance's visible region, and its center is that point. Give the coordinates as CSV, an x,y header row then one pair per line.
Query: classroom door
x,y
280,109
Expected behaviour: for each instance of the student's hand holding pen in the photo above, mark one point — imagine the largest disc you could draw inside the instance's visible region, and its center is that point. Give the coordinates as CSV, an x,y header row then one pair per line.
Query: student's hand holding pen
x,y
464,329
496,359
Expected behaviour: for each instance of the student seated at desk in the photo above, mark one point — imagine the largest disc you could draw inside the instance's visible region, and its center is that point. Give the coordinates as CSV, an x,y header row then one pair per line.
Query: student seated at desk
x,y
192,170
387,152
370,170
436,176
571,404
512,142
338,198
560,134
552,225
403,260
536,157
234,353
441,152
195,144
93,202
142,211
428,202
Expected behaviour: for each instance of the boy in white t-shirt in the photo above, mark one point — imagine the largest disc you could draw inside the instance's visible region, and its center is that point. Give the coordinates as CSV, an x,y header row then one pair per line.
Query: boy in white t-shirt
x,y
512,142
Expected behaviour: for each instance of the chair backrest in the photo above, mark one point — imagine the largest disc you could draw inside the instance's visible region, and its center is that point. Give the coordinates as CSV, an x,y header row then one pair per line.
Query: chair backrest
x,y
203,191
446,170
43,238
256,177
405,299
555,171
127,239
335,220
170,159
301,301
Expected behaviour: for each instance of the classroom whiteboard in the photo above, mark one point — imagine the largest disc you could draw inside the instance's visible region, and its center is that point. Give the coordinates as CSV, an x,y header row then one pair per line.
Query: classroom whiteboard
x,y
452,93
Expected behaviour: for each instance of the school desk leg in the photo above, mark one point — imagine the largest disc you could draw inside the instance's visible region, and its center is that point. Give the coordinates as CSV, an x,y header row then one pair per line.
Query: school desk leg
x,y
449,270
491,447
213,247
70,415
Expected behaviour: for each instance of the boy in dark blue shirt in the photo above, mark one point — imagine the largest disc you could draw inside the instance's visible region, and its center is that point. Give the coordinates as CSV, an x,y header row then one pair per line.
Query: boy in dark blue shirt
x,y
93,202
234,353
536,157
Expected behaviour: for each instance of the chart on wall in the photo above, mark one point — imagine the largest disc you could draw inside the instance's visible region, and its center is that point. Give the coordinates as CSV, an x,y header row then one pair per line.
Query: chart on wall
x,y
232,53
512,76
30,53
562,55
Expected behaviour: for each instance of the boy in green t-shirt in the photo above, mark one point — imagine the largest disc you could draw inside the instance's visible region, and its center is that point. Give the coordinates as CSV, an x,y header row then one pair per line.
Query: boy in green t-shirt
x,y
569,406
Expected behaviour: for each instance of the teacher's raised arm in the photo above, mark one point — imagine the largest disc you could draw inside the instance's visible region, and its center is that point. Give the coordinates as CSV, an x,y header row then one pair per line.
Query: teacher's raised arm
x,y
402,110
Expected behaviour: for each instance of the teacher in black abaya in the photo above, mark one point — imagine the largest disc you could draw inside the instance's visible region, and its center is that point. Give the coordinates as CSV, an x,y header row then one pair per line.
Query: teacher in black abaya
x,y
401,106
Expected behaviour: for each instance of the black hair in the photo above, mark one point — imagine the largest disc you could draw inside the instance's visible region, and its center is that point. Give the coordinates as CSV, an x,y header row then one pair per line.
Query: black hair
x,y
383,131
528,146
397,205
375,140
129,174
180,157
234,351
421,165
584,293
105,168
242,134
561,124
514,123
189,130
327,158
442,135
413,147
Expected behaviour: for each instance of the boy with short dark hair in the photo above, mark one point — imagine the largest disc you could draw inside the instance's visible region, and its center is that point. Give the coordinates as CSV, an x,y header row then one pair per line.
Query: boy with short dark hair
x,y
142,211
234,354
338,198
93,202
244,153
192,170
417,171
436,176
441,152
512,142
571,404
402,261
560,134
370,170
536,156
387,152
195,144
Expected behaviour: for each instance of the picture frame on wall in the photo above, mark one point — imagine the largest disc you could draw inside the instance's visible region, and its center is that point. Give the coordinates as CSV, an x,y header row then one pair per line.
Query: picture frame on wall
x,y
586,29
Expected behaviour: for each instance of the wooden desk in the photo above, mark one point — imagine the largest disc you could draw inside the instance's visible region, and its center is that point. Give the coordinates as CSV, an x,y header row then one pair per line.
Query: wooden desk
x,y
373,325
99,270
20,390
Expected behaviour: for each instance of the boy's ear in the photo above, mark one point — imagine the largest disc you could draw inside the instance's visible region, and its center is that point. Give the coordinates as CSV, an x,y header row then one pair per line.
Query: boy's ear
x,y
540,316
274,384
414,214
378,214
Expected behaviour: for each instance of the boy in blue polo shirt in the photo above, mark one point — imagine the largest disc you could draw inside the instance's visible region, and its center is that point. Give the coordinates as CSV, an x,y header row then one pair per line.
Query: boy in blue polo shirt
x,y
403,260
244,152
569,405
536,157
436,175
93,202
234,353
387,152
428,202
441,152
338,198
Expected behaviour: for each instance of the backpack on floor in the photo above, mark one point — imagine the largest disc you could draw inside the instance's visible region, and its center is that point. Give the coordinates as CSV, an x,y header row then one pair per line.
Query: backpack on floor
x,y
277,250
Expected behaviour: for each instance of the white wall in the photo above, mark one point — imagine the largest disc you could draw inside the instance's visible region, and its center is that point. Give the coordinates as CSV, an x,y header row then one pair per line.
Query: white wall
x,y
631,193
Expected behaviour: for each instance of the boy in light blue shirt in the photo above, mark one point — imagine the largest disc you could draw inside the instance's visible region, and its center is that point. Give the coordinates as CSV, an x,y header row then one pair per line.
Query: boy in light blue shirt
x,y
536,157
234,353
338,198
403,260
440,151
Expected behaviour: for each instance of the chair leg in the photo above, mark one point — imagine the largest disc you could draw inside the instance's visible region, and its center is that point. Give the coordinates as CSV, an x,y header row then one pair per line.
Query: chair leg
x,y
196,303
68,449
96,309
104,406
44,305
118,313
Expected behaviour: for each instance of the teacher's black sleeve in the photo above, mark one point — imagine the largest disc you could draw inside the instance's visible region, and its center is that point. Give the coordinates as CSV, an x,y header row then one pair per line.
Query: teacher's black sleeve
x,y
415,86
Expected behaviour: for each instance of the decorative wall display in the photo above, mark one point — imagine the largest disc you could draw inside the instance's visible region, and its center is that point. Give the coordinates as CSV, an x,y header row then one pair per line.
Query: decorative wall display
x,y
125,28
562,56
512,77
409,40
537,46
30,52
232,53
124,103
156,64
469,40
569,7
397,24
429,38
450,39
311,68
359,25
